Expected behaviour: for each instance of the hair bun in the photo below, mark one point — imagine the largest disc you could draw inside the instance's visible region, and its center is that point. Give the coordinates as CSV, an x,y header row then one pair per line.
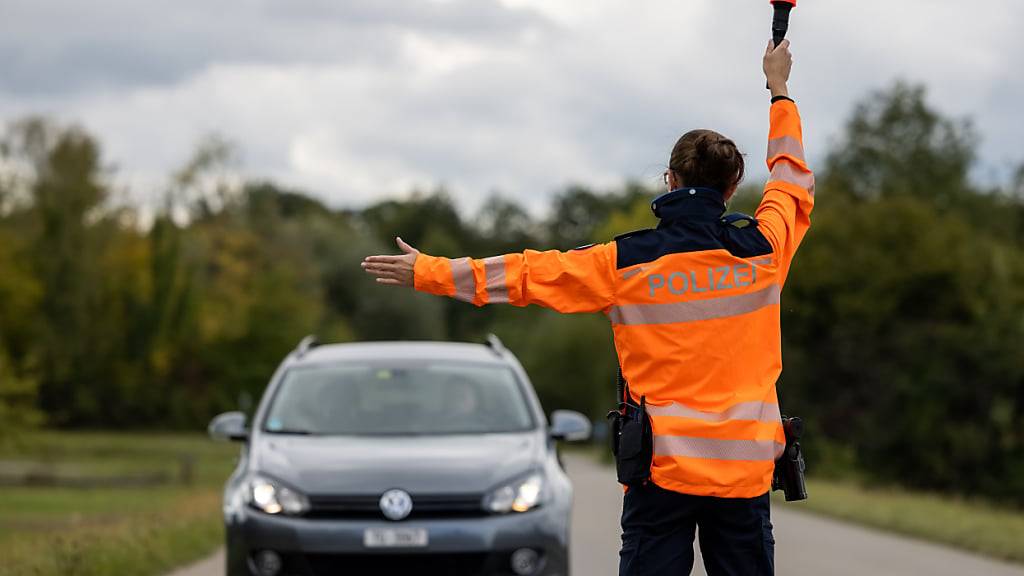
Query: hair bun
x,y
703,144
715,148
706,158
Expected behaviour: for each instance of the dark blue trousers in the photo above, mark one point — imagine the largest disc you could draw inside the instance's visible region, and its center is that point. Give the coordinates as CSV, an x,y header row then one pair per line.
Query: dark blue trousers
x,y
658,528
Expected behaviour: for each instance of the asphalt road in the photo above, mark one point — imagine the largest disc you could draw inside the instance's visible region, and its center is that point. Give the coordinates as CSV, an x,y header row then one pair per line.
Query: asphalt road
x,y
805,544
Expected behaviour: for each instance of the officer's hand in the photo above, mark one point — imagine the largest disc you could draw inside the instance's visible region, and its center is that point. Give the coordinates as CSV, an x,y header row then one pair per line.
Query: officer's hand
x,y
778,62
393,270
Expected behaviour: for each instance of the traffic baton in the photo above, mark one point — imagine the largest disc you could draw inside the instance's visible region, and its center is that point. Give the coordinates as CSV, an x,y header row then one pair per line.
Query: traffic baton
x,y
780,22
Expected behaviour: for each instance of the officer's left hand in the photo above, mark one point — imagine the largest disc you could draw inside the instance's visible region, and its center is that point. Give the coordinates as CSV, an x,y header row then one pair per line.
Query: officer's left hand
x,y
393,270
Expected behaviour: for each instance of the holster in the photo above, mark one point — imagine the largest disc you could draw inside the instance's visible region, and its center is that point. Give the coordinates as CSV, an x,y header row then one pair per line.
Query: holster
x,y
789,468
631,438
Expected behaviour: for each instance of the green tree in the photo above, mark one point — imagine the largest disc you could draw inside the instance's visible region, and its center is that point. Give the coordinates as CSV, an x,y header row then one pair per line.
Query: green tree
x,y
899,312
570,359
895,144
577,213
19,298
504,226
66,193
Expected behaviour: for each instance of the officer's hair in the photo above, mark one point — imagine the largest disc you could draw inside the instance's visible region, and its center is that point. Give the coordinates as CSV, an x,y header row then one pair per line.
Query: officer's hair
x,y
705,158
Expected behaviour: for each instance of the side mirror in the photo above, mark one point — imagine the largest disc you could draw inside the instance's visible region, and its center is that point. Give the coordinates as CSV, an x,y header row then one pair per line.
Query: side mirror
x,y
570,426
228,426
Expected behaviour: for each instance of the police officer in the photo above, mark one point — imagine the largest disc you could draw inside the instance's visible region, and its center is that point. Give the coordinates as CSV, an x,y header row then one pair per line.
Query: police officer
x,y
694,306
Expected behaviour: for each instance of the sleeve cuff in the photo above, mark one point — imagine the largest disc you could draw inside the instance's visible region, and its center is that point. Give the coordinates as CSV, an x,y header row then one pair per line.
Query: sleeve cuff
x,y
433,274
780,98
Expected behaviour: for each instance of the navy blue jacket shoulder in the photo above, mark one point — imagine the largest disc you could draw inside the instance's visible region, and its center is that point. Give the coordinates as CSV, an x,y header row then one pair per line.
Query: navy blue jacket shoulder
x,y
692,220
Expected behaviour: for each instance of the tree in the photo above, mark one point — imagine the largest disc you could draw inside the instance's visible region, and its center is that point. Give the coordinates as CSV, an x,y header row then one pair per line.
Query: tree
x,y
895,144
66,193
899,310
19,299
504,226
577,213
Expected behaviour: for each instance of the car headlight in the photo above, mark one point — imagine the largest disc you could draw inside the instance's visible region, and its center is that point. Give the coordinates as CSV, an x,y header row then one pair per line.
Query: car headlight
x,y
272,497
518,496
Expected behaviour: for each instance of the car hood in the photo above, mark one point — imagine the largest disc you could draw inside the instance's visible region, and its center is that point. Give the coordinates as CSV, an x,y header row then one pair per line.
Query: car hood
x,y
416,464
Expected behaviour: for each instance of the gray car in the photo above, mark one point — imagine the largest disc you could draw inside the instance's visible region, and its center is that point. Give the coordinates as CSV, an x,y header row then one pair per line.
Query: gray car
x,y
399,458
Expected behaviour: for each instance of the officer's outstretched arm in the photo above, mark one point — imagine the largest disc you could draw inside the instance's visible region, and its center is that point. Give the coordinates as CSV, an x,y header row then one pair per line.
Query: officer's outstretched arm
x,y
573,281
784,213
580,280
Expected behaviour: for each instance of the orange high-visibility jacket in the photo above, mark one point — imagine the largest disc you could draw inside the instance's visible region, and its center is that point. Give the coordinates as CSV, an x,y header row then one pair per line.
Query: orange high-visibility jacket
x,y
694,306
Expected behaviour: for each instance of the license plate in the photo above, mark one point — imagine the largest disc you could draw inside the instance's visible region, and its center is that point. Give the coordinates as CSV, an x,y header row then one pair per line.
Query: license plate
x,y
395,537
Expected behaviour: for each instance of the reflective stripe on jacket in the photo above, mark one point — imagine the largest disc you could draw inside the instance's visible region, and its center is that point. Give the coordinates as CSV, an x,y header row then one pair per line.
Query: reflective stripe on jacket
x,y
694,306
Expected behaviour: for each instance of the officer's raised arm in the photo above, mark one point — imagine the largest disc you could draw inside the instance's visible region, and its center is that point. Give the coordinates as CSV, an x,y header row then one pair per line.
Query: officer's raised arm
x,y
784,213
580,280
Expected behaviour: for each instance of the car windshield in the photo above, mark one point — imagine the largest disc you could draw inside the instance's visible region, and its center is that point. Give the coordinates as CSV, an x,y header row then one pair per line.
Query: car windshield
x,y
441,398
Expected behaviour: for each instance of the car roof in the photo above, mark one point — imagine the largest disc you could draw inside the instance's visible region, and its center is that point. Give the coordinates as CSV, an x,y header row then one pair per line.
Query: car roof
x,y
451,351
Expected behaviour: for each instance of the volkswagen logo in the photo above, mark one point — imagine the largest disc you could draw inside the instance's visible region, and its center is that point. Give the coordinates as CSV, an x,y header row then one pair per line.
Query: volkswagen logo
x,y
396,504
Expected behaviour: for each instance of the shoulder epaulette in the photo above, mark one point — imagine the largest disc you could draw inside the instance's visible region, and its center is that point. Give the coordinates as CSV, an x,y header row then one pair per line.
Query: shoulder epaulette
x,y
738,220
634,233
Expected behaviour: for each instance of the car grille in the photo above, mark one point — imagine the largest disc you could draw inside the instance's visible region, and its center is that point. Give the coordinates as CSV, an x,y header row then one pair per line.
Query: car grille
x,y
424,506
463,564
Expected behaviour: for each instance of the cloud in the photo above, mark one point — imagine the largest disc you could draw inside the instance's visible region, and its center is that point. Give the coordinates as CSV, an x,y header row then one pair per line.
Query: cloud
x,y
54,47
362,99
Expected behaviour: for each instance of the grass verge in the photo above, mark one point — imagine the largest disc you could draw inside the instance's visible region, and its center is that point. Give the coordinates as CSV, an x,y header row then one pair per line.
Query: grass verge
x,y
974,526
143,531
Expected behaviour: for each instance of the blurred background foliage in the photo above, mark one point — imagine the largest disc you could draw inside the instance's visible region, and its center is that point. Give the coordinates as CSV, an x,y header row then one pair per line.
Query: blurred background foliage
x,y
903,318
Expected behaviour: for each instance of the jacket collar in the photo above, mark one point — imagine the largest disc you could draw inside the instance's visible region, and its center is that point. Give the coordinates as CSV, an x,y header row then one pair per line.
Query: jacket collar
x,y
689,203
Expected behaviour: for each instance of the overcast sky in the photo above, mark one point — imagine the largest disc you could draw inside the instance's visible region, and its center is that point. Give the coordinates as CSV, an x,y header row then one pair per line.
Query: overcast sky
x,y
355,100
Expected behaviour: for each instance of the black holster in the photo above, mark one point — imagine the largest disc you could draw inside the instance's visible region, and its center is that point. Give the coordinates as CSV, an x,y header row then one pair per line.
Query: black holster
x,y
631,438
789,468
